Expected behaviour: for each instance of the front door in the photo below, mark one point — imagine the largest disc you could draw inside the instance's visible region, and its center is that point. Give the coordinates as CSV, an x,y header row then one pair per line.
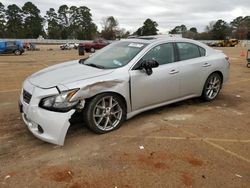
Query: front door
x,y
162,85
2,47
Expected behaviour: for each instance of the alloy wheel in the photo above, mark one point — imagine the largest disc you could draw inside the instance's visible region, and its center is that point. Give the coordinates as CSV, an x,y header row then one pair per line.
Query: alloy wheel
x,y
107,113
213,86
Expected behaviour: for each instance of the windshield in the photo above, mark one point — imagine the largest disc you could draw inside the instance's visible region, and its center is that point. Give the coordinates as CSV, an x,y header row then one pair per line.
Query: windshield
x,y
115,55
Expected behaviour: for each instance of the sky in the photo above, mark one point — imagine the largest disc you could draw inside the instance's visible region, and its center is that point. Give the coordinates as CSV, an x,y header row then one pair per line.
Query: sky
x,y
167,13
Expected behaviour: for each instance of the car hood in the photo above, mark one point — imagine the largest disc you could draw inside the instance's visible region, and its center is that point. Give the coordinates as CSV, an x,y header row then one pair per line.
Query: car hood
x,y
64,73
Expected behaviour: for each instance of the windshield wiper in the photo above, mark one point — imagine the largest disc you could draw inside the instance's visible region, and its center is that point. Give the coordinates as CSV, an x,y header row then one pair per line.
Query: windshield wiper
x,y
81,61
96,66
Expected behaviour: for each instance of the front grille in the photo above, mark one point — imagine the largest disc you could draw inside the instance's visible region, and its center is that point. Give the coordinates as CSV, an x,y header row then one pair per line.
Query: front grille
x,y
26,96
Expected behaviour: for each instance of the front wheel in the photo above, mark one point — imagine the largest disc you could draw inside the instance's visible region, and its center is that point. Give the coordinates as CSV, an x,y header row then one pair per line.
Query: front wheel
x,y
212,87
104,113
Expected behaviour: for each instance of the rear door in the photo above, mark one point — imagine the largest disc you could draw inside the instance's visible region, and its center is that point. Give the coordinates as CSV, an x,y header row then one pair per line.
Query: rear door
x,y
194,68
162,85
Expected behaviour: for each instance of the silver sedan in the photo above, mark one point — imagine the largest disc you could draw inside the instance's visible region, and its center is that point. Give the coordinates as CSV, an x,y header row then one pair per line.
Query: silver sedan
x,y
118,82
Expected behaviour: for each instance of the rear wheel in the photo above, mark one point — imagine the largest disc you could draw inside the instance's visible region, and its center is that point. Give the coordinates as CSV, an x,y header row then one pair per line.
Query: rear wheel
x,y
248,65
212,87
104,113
17,52
92,50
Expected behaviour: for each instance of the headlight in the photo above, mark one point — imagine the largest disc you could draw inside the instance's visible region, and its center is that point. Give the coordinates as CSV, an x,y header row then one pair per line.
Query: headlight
x,y
61,102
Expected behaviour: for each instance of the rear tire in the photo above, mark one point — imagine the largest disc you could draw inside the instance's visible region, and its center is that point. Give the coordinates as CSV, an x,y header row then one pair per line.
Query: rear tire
x,y
248,65
92,50
104,113
17,52
212,87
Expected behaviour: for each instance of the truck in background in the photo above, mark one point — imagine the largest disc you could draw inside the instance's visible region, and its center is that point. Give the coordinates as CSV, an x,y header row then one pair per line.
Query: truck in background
x,y
11,47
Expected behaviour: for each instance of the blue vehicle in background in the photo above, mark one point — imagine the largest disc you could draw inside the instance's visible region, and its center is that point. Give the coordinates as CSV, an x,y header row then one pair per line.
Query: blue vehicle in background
x,y
11,47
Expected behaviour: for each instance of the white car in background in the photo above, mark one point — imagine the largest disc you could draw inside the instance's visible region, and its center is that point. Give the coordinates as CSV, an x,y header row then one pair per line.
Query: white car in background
x,y
116,83
69,46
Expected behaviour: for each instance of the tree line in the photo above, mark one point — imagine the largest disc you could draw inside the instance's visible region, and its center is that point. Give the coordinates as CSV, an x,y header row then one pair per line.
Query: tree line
x,y
27,22
76,23
239,28
65,23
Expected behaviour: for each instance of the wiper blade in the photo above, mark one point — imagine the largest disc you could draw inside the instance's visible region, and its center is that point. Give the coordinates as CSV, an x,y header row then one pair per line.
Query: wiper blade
x,y
81,61
96,66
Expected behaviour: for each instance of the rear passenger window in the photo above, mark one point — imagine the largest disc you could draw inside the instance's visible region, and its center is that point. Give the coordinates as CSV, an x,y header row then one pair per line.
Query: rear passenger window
x,y
202,51
187,51
10,44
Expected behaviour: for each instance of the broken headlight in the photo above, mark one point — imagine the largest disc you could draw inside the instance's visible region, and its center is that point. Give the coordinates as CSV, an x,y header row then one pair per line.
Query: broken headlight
x,y
61,103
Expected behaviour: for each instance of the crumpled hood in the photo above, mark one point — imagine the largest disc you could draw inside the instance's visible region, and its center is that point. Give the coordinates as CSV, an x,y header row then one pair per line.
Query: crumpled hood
x,y
65,73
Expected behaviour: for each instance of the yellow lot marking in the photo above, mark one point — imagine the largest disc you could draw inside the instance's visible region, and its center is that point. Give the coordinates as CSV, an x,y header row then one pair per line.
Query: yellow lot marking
x,y
9,91
228,151
216,145
194,137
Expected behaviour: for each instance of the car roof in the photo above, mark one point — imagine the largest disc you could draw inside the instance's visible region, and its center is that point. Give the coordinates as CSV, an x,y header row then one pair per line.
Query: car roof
x,y
163,38
155,38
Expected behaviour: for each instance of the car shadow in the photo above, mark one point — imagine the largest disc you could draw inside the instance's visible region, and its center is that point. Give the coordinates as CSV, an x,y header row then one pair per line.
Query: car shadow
x,y
78,127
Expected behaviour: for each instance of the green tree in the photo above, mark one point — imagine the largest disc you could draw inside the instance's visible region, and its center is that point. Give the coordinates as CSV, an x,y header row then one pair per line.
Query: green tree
x,y
221,30
241,27
237,22
138,32
193,29
81,24
110,28
247,24
2,20
54,28
181,29
63,16
14,27
149,28
33,22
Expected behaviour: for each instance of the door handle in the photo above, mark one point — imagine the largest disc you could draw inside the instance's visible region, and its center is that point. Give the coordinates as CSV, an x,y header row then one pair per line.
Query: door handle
x,y
173,72
206,65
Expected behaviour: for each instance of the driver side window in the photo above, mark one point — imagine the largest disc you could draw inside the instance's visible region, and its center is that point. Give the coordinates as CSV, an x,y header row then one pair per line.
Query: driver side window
x,y
163,54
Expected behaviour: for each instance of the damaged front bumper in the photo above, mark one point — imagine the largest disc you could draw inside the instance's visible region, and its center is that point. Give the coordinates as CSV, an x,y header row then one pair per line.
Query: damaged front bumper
x,y
46,125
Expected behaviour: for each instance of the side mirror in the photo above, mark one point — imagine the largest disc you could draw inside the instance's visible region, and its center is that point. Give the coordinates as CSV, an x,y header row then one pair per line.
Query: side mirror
x,y
148,65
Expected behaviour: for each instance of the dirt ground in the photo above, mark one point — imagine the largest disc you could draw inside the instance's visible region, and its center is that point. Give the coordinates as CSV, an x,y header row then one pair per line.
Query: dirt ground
x,y
188,144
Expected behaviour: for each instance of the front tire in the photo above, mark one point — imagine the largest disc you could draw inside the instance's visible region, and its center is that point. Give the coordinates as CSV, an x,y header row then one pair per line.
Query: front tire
x,y
212,87
104,113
